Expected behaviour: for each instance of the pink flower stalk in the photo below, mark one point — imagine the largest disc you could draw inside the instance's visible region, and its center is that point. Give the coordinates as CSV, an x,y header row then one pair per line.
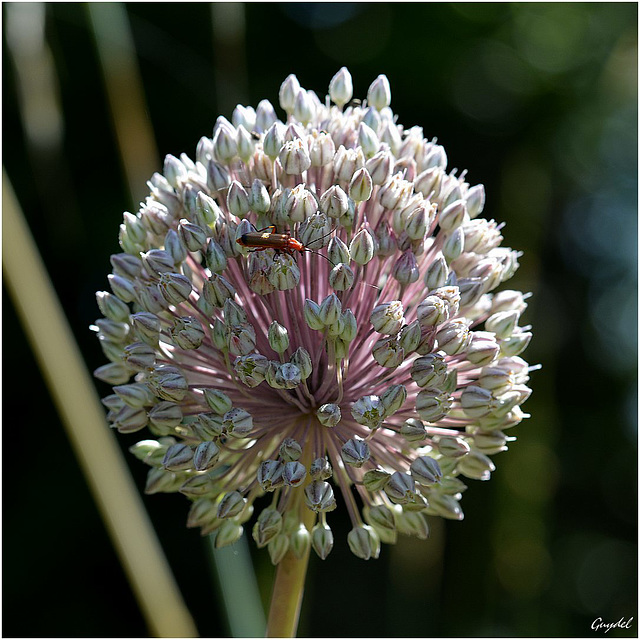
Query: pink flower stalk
x,y
309,307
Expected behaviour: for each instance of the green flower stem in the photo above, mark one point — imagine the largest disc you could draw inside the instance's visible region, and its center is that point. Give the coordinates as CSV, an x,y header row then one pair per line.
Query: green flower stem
x,y
288,590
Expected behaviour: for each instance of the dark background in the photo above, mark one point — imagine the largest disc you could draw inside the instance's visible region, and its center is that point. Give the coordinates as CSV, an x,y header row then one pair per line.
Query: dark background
x,y
539,103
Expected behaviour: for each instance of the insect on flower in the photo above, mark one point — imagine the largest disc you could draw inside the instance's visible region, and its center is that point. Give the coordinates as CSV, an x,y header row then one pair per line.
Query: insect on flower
x,y
267,238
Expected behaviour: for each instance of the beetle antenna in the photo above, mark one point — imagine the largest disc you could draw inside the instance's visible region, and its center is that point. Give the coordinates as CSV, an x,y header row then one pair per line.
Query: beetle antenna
x,y
321,255
322,237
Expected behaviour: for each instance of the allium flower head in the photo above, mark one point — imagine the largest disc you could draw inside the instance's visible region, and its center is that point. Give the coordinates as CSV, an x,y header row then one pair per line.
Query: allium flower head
x,y
308,310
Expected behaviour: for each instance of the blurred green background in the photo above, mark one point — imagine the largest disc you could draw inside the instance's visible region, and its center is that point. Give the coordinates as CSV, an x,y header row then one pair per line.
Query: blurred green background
x,y
539,103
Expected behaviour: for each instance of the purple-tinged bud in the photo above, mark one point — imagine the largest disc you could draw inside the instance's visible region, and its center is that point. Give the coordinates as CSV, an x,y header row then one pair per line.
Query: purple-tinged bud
x,y
130,419
405,270
347,162
217,177
294,157
300,204
369,411
322,540
225,145
270,475
364,542
425,470
267,527
231,505
174,287
147,327
401,488
355,453
217,289
126,265
157,262
429,371
320,469
387,352
287,376
380,167
334,202
454,337
139,356
135,395
321,149
368,140
387,318
319,496
259,200
476,402
237,423
290,450
178,457
165,416
294,474
341,87
329,415
393,398
329,310
205,455
303,107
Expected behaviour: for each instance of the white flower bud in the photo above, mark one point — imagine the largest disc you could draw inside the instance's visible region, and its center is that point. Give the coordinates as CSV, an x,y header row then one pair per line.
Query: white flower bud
x,y
341,87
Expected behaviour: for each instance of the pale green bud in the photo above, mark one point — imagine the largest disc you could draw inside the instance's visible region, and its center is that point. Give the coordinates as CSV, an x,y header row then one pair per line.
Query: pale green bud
x,y
475,200
220,335
350,326
429,371
452,447
161,481
135,395
387,317
278,547
112,307
413,524
139,356
288,376
475,465
334,202
337,251
278,337
393,398
290,450
300,541
238,200
302,360
413,430
362,247
369,411
454,337
259,200
445,506
284,273
219,401
453,245
380,167
433,405
341,277
322,540
217,289
341,87
388,353
228,533
208,208
405,270
502,323
516,343
157,261
149,451
364,542
401,488
209,425
379,93
410,336
122,287
361,185
376,480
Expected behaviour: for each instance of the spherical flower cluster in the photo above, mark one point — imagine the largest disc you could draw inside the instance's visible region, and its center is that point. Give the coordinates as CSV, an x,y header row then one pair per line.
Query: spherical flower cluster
x,y
308,308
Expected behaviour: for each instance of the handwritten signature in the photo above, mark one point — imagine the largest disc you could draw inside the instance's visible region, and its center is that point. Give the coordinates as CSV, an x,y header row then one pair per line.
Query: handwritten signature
x,y
599,624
